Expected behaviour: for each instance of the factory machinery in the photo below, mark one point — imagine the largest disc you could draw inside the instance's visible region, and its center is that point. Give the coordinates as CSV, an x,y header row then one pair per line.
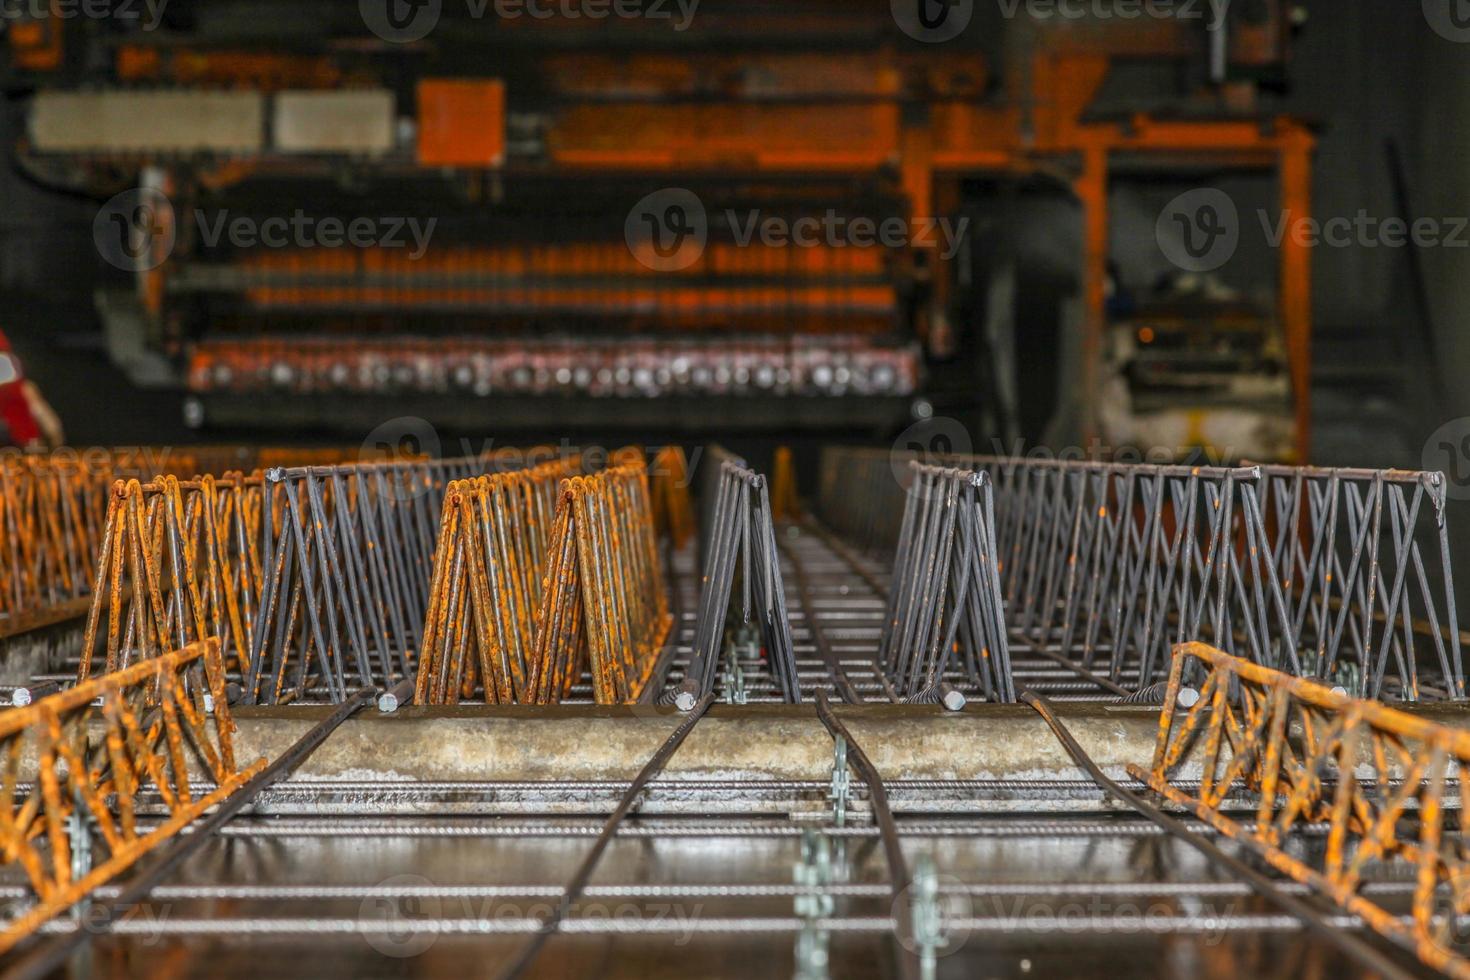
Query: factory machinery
x,y
713,215
546,712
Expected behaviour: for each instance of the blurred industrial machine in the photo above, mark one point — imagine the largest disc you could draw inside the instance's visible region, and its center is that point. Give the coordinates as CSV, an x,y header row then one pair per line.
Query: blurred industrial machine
x,y
556,218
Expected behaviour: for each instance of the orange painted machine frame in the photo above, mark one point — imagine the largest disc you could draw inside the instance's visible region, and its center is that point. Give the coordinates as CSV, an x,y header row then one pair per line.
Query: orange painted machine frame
x,y
874,112
461,122
934,149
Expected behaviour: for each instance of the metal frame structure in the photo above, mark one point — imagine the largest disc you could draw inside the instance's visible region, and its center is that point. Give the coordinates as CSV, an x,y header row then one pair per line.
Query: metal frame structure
x,y
152,714
1300,750
348,557
489,570
178,561
603,558
604,604
946,596
1339,574
739,537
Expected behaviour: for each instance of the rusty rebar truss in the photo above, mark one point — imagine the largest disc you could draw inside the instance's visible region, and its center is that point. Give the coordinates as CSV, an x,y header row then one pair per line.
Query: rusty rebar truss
x,y
154,716
485,594
946,588
347,561
1338,574
541,575
53,508
1302,751
604,603
52,529
178,561
739,534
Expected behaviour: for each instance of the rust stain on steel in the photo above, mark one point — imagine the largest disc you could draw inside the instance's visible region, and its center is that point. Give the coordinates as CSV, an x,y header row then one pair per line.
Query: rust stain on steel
x,y
54,506
178,561
1282,738
604,604
150,712
487,584
541,574
668,479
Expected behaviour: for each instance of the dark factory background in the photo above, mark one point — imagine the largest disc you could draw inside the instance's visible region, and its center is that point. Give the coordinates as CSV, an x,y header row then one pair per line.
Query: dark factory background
x,y
532,143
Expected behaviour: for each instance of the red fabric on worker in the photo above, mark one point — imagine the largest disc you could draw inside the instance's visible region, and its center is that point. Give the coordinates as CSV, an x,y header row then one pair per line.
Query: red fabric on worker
x,y
22,428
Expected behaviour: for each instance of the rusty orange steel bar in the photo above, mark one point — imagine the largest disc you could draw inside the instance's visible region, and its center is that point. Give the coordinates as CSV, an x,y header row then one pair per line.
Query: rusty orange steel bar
x,y
52,526
604,603
668,479
1299,748
487,584
148,714
785,504
179,560
54,508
